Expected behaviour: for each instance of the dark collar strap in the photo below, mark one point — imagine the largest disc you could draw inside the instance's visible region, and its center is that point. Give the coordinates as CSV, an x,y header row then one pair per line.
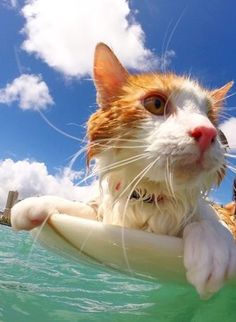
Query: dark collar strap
x,y
136,195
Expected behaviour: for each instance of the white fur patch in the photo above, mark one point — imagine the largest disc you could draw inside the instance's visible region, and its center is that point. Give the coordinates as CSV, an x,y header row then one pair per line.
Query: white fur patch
x,y
209,254
190,97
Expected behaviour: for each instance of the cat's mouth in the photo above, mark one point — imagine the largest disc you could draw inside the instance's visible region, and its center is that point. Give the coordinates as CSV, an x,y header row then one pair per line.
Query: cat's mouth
x,y
200,161
192,166
192,172
200,164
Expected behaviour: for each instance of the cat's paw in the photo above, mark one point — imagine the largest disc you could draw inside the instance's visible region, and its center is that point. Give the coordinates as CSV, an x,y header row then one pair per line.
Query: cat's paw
x,y
209,256
31,212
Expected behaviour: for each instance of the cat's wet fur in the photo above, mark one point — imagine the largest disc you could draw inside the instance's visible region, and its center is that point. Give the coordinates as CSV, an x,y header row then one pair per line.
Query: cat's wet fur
x,y
157,152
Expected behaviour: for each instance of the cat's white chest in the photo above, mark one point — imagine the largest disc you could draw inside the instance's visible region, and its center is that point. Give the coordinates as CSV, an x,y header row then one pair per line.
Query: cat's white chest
x,y
160,217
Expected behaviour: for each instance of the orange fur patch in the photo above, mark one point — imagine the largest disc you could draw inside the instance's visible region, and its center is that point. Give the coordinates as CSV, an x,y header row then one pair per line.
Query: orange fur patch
x,y
217,98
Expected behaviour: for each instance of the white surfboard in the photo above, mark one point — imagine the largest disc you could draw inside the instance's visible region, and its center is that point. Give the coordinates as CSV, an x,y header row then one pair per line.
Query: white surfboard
x,y
135,252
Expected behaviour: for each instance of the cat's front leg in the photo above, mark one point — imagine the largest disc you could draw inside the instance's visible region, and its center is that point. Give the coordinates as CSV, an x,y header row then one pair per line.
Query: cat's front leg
x,y
32,212
209,254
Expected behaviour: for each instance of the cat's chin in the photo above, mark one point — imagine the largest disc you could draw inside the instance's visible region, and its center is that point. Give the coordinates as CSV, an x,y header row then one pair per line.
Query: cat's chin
x,y
185,175
189,174
194,172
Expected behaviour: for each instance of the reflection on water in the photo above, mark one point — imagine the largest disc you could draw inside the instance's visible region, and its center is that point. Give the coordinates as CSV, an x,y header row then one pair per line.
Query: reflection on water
x,y
45,287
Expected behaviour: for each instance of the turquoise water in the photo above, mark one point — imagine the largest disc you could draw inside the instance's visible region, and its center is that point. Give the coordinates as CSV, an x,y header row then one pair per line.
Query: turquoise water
x,y
37,285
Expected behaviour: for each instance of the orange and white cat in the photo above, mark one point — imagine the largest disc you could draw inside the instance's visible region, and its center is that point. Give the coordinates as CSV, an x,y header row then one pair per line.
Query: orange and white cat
x,y
157,153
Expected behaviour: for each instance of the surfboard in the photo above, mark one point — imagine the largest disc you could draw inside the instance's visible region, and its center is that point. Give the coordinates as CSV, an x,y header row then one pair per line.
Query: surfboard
x,y
134,252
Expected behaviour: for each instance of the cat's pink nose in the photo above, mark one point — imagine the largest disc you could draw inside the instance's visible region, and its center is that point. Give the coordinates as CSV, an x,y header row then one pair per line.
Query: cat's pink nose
x,y
204,136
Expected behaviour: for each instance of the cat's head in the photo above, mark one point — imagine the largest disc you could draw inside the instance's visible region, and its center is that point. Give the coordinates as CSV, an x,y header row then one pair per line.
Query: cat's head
x,y
161,122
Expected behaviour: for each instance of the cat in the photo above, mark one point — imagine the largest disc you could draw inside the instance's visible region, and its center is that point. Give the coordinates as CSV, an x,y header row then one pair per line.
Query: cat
x,y
157,153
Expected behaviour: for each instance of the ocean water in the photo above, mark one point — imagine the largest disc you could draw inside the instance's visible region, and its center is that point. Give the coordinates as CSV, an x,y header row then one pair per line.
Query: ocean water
x,y
37,285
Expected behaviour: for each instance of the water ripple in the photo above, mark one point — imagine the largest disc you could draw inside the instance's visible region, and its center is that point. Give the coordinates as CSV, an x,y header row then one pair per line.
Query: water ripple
x,y
37,285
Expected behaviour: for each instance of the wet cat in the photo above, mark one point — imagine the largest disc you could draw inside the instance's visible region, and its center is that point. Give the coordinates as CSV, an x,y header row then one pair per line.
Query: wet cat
x,y
157,152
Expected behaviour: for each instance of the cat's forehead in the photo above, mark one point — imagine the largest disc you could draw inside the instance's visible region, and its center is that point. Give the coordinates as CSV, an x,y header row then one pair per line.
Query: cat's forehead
x,y
190,95
179,89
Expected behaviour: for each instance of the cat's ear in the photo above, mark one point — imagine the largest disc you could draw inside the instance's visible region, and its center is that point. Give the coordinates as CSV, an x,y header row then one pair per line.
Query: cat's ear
x,y
220,94
109,74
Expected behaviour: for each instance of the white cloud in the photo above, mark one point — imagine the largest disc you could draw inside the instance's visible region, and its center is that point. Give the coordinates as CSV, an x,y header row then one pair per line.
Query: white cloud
x,y
229,129
63,33
31,178
30,91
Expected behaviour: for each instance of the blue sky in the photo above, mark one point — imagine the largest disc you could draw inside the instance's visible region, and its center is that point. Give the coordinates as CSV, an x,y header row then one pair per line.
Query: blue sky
x,y
197,36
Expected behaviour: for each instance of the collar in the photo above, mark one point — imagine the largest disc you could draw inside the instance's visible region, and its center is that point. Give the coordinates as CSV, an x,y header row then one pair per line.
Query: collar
x,y
147,199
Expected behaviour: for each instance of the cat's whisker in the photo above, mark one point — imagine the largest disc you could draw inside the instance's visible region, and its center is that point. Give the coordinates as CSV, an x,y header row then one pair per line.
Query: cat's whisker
x,y
230,163
166,105
138,178
169,182
117,139
114,165
231,108
164,44
224,111
56,128
121,146
226,97
229,155
43,116
171,37
36,238
166,178
107,146
122,163
231,168
224,116
75,157
97,143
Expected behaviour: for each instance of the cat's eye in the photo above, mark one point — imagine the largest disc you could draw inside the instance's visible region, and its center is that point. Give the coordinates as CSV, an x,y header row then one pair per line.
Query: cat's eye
x,y
155,104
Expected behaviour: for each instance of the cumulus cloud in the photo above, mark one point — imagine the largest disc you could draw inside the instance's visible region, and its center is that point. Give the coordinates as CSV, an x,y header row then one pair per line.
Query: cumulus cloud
x,y
31,178
30,91
228,128
63,33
